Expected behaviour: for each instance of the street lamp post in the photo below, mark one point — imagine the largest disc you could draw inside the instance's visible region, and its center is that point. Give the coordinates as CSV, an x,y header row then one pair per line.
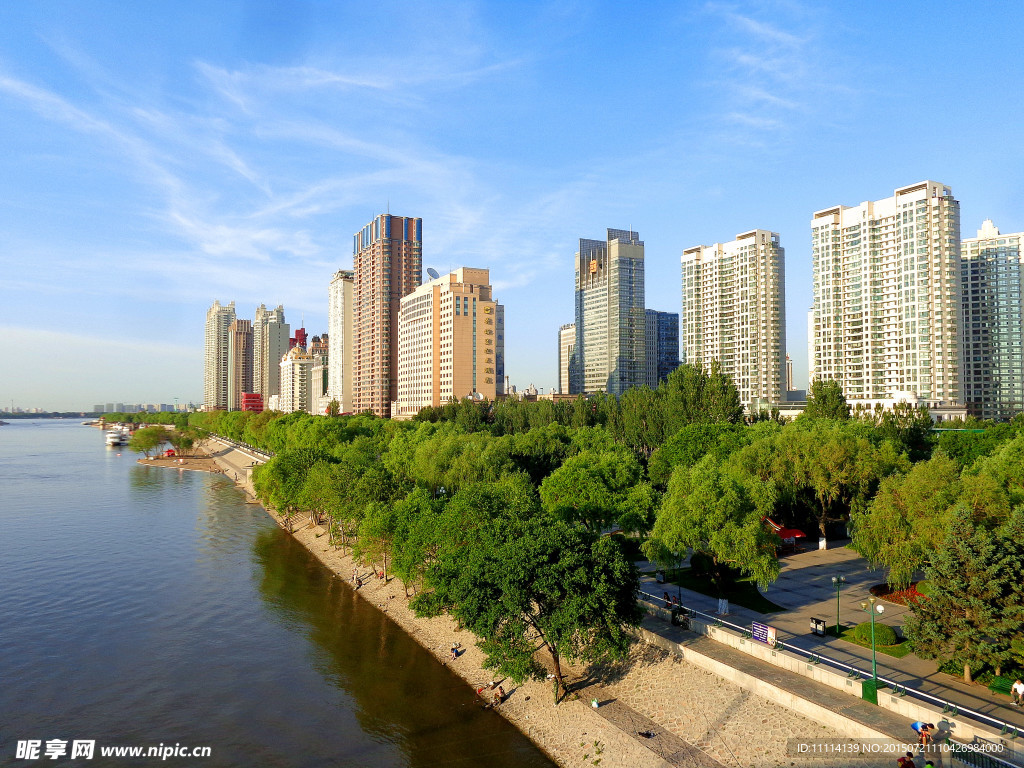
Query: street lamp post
x,y
838,582
870,607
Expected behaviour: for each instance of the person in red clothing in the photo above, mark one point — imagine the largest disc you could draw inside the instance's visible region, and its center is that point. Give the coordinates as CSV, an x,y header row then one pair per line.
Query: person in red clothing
x,y
907,761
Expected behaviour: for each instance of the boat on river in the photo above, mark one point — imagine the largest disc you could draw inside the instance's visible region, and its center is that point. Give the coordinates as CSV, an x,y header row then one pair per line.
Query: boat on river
x,y
117,436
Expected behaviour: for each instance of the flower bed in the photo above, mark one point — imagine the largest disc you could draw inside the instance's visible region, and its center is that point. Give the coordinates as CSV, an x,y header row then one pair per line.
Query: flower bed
x,y
908,596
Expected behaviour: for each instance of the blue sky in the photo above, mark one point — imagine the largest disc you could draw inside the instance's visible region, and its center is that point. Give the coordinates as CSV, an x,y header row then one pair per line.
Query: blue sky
x,y
161,155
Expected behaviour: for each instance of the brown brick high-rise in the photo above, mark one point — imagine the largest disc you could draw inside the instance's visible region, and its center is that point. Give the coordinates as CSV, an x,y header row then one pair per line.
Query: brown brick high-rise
x,y
388,260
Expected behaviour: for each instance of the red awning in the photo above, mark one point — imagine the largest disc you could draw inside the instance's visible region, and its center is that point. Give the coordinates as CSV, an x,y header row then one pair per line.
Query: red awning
x,y
785,533
791,533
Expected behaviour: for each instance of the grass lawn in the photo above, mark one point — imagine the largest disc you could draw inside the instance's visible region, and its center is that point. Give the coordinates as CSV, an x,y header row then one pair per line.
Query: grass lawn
x,y
742,593
897,651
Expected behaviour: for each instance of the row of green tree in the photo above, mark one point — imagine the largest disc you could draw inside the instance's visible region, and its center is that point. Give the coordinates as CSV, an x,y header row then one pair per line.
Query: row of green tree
x,y
677,466
478,527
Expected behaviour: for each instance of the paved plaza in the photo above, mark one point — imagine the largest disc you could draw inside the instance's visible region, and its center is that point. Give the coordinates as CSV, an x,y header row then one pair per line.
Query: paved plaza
x,y
805,590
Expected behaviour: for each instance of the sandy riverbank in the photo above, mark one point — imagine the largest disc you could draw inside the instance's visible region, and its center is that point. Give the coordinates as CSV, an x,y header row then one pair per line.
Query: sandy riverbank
x,y
689,717
193,463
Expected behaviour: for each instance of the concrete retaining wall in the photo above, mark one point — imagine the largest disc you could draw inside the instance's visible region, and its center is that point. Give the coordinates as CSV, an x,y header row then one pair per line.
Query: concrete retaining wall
x,y
912,709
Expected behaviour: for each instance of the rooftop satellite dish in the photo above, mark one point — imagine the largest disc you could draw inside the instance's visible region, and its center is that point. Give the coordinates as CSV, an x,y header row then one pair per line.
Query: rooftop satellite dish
x,y
433,273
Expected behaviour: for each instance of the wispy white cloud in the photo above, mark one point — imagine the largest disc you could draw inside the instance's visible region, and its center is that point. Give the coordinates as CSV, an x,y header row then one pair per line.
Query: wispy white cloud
x,y
773,72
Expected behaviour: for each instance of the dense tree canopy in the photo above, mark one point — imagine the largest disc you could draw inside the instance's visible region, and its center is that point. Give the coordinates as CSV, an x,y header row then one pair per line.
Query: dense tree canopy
x,y
498,513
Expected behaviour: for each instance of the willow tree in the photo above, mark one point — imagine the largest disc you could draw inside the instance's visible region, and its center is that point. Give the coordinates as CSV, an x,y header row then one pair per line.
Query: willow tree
x,y
718,510
909,518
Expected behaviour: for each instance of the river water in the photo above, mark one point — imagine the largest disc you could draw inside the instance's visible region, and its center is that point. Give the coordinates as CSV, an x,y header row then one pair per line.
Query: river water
x,y
145,606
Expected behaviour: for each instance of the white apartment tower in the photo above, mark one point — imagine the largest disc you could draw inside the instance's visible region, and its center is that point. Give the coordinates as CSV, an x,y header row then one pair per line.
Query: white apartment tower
x,y
215,368
339,329
296,381
610,316
992,369
566,345
269,344
887,297
734,314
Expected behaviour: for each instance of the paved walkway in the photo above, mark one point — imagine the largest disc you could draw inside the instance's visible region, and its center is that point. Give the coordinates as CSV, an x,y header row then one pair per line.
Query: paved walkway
x,y
805,590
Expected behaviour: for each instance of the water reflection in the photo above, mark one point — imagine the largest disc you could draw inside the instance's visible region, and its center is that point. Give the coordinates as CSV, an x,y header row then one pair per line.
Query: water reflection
x,y
142,604
400,693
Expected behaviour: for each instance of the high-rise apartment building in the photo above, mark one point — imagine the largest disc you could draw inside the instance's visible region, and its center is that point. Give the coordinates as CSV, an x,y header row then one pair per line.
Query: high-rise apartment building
x,y
734,314
610,317
340,299
566,346
887,297
296,381
240,362
269,343
449,345
992,369
319,395
215,368
661,338
388,260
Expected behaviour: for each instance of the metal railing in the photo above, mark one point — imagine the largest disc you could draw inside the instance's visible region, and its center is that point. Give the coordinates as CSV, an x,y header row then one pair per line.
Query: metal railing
x,y
969,754
238,445
948,708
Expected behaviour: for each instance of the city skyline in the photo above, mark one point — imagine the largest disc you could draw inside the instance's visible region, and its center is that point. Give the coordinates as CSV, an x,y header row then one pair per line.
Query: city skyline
x,y
155,164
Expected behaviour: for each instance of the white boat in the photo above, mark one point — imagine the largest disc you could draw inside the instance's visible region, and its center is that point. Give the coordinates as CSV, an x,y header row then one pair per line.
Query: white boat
x,y
117,436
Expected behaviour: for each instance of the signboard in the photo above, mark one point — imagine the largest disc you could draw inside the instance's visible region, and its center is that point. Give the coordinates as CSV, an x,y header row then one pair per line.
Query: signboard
x,y
762,633
593,266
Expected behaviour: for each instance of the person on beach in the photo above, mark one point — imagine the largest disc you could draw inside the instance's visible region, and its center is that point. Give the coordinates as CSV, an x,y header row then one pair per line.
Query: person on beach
x,y
1017,693
499,696
455,651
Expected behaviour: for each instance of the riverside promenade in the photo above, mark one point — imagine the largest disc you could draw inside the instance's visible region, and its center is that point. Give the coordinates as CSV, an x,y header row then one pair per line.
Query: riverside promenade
x,y
805,590
664,706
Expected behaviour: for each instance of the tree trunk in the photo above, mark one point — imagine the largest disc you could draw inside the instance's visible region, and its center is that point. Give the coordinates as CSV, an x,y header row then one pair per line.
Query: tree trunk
x,y
561,689
967,672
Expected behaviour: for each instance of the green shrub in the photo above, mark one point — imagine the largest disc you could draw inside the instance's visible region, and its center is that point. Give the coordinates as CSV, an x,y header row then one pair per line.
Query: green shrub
x,y
925,587
884,634
955,667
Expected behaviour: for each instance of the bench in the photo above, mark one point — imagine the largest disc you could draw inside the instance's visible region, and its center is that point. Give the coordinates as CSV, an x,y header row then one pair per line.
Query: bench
x,y
1001,685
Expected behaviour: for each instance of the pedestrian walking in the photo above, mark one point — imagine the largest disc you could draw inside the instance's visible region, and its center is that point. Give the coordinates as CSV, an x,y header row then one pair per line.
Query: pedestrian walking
x,y
907,761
